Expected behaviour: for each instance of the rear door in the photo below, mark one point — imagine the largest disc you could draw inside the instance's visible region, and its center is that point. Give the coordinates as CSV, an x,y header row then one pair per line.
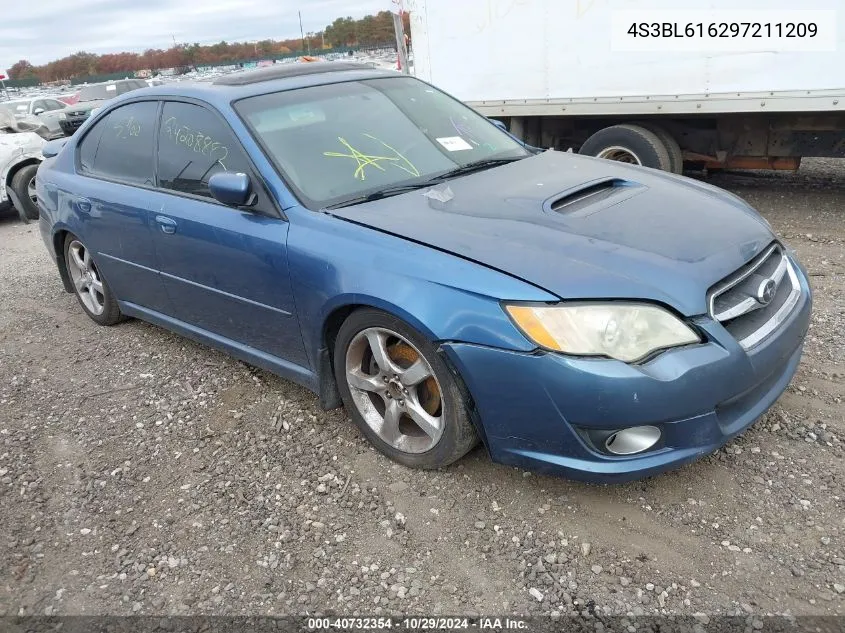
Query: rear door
x,y
115,202
225,269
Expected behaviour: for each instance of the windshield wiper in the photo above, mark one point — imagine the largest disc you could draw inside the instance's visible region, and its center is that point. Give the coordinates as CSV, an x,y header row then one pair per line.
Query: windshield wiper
x,y
395,190
400,189
476,166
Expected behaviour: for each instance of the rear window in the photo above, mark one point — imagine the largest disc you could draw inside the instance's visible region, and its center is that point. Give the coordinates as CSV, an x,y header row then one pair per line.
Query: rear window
x,y
95,93
128,86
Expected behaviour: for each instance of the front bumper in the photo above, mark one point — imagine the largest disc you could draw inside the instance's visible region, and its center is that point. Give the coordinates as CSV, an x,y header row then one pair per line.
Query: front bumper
x,y
531,404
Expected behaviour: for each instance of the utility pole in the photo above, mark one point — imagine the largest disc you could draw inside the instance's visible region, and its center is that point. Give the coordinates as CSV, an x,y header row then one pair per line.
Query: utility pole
x,y
302,33
401,46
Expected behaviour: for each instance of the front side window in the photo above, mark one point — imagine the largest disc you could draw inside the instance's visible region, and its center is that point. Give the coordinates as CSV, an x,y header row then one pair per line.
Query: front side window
x,y
193,145
340,141
120,146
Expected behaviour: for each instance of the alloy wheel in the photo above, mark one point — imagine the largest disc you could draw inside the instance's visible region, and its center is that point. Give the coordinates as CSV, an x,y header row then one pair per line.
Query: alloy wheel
x,y
30,190
395,390
86,278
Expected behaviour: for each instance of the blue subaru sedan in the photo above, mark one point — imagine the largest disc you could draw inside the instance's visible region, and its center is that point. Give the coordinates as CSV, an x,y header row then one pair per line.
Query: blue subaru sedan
x,y
371,238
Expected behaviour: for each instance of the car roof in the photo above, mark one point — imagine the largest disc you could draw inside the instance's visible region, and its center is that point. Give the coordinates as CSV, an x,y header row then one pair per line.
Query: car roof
x,y
224,90
282,71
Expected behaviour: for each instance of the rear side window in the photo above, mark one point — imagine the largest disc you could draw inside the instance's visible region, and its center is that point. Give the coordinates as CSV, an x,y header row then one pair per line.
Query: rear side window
x,y
194,144
120,146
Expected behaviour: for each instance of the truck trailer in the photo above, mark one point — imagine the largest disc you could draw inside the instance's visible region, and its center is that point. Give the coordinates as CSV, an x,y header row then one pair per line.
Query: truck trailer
x,y
642,81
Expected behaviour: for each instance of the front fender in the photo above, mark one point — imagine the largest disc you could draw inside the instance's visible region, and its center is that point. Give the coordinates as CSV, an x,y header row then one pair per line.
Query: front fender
x,y
335,264
11,156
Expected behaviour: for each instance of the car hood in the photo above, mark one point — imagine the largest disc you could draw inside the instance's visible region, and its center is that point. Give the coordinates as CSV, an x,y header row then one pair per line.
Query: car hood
x,y
13,145
581,228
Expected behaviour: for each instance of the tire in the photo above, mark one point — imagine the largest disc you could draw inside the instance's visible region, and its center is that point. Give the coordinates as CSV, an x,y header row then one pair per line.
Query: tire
x,y
676,156
441,395
627,143
91,290
21,181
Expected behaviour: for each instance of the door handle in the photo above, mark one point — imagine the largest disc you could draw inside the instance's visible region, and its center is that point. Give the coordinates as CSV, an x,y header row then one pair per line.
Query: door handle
x,y
83,205
167,225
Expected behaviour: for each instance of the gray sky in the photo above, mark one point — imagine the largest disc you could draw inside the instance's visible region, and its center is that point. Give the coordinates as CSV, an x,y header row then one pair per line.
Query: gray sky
x,y
45,30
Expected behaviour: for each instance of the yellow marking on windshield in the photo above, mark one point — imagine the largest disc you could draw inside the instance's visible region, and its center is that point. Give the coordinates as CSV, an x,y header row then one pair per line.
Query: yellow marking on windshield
x,y
364,160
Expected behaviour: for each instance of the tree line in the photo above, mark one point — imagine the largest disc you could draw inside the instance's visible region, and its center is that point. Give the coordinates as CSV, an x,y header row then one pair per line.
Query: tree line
x,y
368,31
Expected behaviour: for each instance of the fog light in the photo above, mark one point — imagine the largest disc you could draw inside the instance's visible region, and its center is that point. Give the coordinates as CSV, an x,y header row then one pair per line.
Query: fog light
x,y
634,440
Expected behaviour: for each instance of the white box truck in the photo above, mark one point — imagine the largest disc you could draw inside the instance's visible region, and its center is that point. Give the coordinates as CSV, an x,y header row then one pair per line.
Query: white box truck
x,y
741,84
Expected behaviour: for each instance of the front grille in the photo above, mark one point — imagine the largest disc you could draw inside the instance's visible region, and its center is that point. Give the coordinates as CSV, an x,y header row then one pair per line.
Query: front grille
x,y
752,302
72,125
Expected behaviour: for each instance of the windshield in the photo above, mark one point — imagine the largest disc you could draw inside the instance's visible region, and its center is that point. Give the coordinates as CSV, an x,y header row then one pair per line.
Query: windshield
x,y
342,141
15,107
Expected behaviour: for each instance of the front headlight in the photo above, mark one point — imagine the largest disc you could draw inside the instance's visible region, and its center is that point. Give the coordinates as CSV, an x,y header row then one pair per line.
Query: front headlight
x,y
625,331
62,116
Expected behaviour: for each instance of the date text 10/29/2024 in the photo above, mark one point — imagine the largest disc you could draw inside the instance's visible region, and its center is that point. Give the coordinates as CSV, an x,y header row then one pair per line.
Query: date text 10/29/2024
x,y
416,624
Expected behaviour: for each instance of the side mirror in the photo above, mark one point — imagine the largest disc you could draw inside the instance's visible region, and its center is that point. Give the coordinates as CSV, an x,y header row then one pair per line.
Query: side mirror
x,y
52,148
39,111
233,189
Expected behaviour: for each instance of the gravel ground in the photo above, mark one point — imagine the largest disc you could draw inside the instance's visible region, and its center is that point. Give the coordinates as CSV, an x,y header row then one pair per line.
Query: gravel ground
x,y
142,473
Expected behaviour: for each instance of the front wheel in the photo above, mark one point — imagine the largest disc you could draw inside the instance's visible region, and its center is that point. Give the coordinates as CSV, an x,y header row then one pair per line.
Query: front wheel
x,y
400,393
23,184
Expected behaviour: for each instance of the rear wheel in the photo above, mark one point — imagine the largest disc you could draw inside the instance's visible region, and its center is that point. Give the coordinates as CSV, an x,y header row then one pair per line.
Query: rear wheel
x,y
23,184
92,291
676,156
400,393
632,144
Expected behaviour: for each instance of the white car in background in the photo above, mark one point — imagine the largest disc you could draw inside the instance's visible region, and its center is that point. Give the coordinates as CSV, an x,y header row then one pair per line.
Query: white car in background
x,y
43,113
20,155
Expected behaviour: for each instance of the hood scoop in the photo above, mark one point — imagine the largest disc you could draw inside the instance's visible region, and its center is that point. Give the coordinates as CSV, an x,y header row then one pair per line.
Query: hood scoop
x,y
593,196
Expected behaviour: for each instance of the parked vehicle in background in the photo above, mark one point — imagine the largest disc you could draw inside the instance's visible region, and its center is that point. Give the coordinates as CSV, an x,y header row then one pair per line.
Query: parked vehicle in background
x,y
94,96
69,99
43,113
20,155
569,86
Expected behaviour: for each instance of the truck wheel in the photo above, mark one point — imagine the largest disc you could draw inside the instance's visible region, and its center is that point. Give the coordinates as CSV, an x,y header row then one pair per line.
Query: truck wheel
x,y
23,184
632,144
676,156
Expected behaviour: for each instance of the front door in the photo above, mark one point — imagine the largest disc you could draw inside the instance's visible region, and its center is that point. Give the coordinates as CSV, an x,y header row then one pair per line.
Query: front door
x,y
225,269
